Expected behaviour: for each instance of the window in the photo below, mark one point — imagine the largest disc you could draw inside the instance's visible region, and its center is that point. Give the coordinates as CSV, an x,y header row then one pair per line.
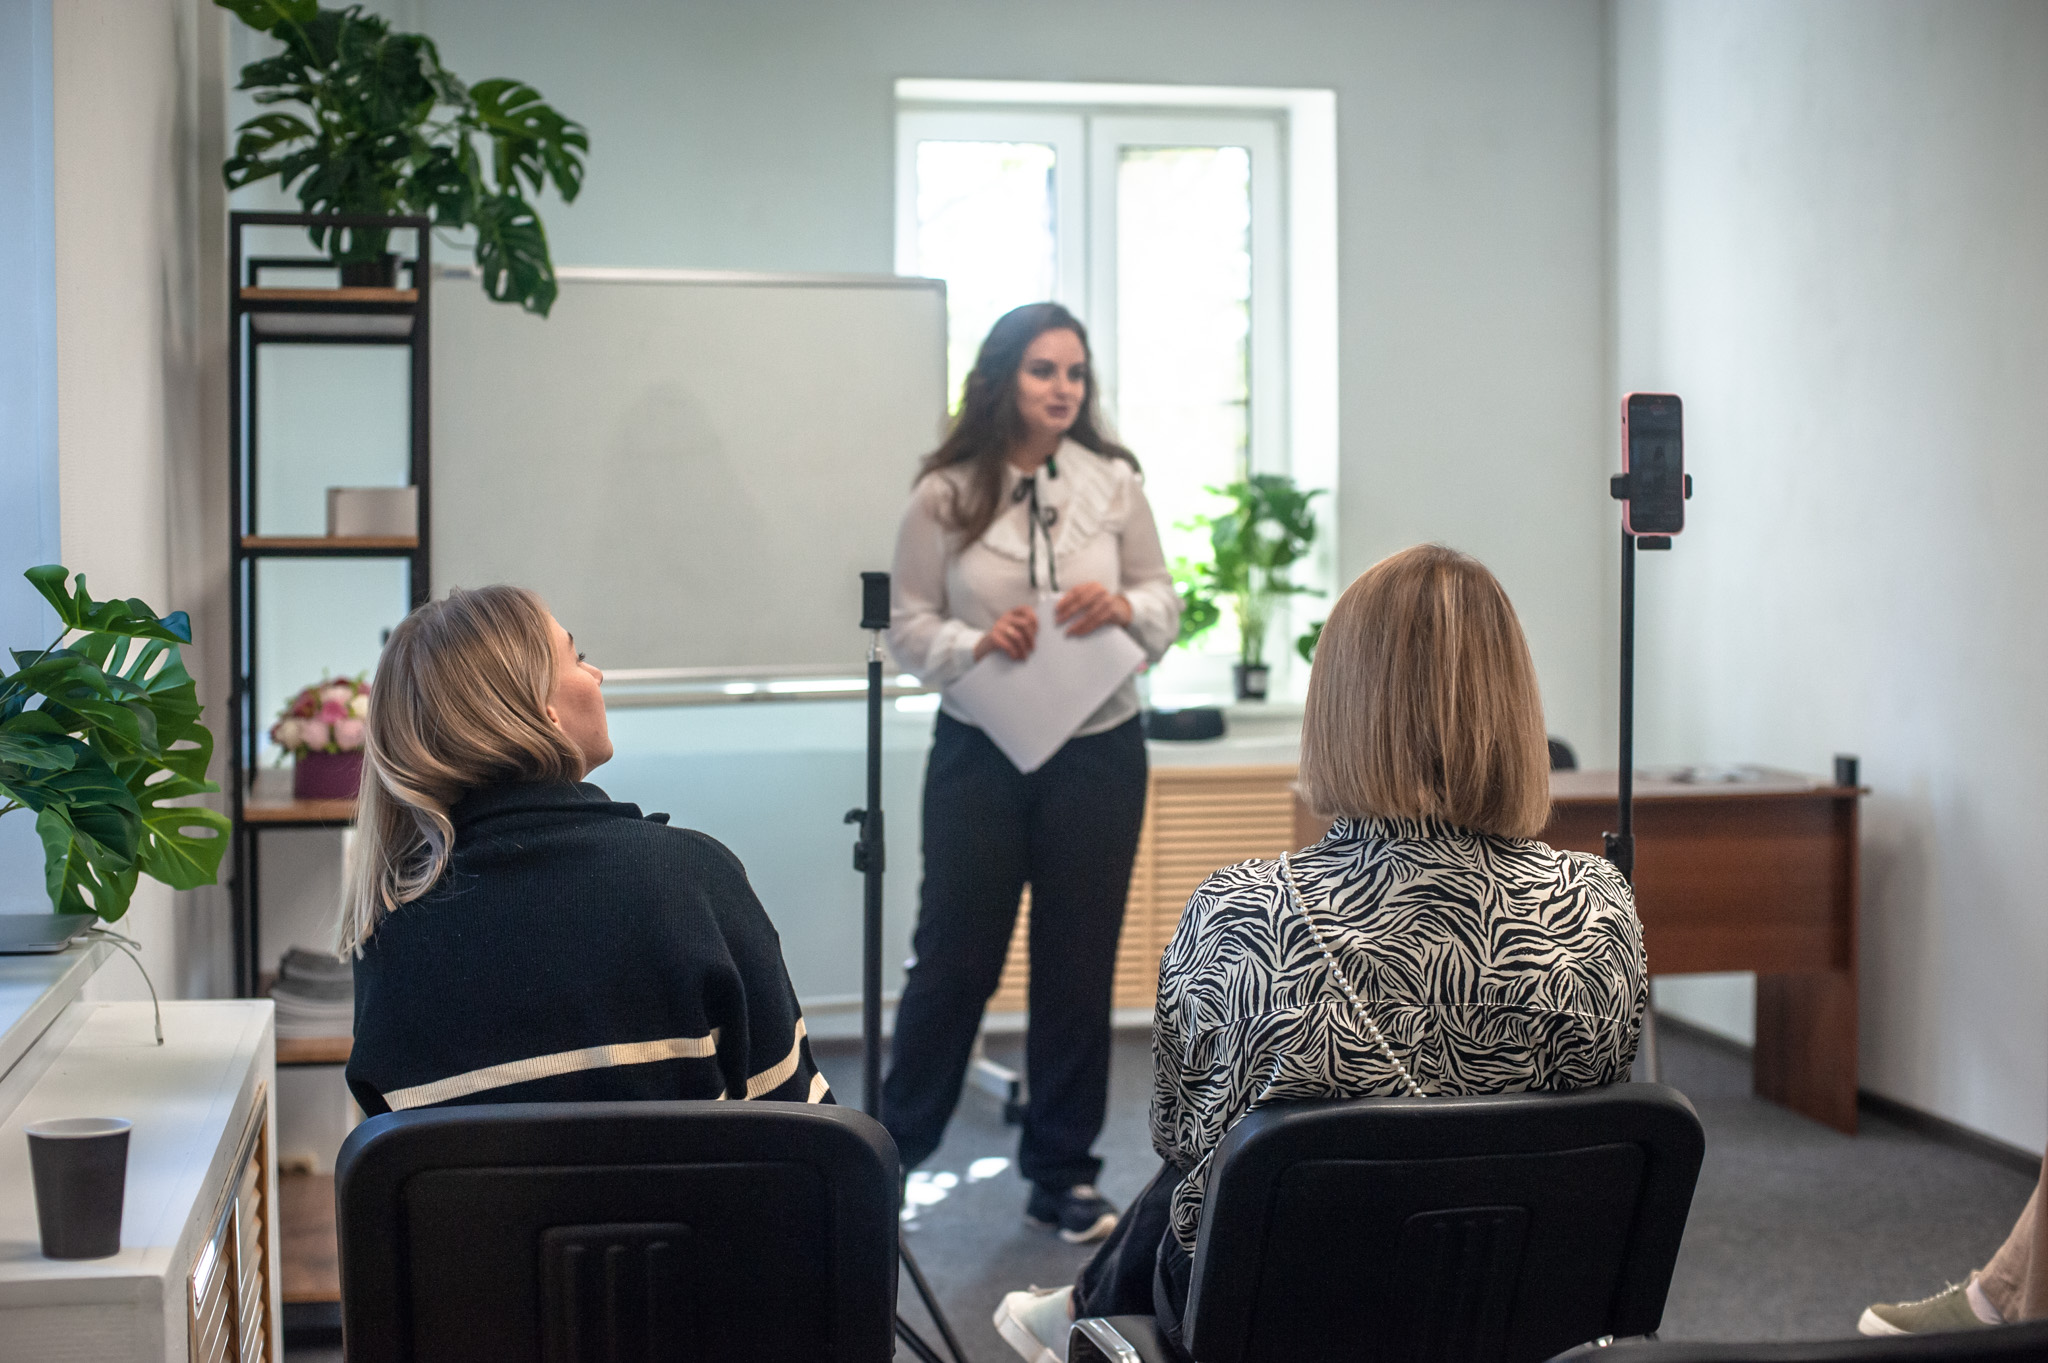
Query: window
x,y
1166,229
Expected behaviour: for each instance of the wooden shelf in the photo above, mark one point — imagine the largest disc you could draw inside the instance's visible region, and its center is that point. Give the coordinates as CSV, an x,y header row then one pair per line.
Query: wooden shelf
x,y
278,295
307,1247
255,296
329,544
272,811
314,1050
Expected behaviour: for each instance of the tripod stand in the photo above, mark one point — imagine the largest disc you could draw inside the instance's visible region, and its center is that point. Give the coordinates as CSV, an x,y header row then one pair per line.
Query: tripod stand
x,y
870,855
1620,846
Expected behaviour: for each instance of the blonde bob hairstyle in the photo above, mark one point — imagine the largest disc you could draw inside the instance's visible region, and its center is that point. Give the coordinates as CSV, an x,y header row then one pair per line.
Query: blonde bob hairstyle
x,y
460,702
1423,701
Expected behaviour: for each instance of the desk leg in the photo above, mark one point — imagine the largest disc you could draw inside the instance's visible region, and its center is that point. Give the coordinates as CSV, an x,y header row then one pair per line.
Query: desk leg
x,y
1806,1045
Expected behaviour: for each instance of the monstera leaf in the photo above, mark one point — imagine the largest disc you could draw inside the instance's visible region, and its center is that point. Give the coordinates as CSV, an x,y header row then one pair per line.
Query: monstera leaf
x,y
512,252
529,140
265,15
99,733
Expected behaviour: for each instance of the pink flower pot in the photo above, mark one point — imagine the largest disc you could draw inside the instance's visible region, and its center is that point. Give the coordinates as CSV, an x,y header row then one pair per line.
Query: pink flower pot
x,y
327,776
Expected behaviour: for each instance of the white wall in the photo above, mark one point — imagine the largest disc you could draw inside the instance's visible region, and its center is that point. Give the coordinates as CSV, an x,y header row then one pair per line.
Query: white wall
x,y
1833,241
140,330
1473,274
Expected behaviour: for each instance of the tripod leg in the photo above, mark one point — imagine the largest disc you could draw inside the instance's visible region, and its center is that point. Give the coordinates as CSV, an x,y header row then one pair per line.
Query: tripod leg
x,y
930,1299
1002,1081
913,1341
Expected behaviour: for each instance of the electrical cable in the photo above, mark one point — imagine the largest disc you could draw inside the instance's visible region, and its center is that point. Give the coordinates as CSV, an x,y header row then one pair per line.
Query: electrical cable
x,y
133,950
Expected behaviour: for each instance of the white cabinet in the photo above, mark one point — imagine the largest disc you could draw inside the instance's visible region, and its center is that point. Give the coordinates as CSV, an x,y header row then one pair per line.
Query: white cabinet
x,y
196,1277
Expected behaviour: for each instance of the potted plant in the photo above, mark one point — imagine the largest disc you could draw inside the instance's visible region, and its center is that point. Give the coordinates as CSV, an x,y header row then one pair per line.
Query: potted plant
x,y
322,730
1254,545
382,127
99,732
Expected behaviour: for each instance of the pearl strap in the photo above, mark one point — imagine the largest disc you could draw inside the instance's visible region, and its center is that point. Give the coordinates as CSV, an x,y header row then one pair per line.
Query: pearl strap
x,y
1365,1019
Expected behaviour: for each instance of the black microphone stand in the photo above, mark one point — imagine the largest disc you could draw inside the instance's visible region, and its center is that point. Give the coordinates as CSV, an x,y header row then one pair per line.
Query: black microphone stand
x,y
870,856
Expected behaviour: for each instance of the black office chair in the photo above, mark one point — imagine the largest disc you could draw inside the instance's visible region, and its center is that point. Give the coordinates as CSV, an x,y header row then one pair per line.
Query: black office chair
x,y
1498,1229
579,1232
1562,758
2026,1343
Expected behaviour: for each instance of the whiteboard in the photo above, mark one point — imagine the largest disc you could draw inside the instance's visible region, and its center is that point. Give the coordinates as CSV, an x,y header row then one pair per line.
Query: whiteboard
x,y
692,467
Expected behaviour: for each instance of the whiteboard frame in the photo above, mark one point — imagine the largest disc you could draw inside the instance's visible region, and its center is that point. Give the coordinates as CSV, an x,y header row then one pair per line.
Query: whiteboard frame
x,y
604,274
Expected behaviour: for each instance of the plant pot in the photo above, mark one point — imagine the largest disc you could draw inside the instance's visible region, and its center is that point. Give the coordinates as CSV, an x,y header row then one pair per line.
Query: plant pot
x,y
1251,680
327,775
379,273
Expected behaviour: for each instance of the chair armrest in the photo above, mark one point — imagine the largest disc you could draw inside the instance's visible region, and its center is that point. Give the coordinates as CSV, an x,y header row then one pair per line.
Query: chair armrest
x,y
1119,1339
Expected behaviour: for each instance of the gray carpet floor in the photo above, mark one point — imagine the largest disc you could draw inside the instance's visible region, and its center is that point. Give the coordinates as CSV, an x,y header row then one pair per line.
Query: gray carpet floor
x,y
1794,1228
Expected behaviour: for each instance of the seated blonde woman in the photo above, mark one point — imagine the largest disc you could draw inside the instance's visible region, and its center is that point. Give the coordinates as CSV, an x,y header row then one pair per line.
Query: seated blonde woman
x,y
1481,960
520,936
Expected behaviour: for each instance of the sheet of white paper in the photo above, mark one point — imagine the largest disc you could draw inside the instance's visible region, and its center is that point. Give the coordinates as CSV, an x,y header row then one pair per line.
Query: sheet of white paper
x,y
1030,709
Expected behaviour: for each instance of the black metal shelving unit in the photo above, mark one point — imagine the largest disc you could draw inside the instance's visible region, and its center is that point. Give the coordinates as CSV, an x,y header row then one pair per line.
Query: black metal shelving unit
x,y
260,316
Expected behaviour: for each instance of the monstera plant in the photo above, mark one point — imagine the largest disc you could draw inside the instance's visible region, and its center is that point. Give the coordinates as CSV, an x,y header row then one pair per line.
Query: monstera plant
x,y
381,127
99,733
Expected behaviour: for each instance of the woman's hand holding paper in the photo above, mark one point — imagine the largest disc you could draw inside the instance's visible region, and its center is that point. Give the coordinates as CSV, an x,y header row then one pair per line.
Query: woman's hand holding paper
x,y
1015,632
1090,606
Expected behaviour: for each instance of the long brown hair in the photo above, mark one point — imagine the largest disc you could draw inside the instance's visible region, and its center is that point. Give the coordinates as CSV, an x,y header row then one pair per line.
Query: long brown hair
x,y
460,702
988,426
1423,701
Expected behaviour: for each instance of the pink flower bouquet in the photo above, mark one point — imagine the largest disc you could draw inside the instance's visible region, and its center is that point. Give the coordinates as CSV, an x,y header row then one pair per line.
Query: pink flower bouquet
x,y
325,717
322,728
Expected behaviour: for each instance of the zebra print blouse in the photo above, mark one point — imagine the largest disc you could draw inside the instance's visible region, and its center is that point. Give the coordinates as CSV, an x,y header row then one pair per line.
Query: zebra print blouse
x,y
1492,965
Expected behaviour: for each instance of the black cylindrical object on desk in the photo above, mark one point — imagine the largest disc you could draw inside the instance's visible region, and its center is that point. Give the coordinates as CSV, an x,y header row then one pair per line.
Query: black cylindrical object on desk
x,y
80,1168
1847,770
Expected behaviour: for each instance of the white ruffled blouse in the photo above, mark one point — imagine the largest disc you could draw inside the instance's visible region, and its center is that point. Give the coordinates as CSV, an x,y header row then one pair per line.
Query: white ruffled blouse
x,y
944,596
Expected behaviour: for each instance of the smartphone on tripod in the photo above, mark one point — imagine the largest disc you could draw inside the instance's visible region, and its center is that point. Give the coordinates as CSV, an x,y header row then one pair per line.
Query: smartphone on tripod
x,y
1653,459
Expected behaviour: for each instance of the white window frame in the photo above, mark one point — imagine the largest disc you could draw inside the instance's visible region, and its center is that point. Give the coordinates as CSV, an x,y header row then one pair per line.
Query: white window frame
x,y
1305,123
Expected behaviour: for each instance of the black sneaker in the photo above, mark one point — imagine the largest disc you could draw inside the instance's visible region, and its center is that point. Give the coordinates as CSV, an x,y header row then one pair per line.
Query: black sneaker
x,y
1081,1214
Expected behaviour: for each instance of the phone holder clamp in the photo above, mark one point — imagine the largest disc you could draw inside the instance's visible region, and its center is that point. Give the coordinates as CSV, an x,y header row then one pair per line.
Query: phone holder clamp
x,y
1618,487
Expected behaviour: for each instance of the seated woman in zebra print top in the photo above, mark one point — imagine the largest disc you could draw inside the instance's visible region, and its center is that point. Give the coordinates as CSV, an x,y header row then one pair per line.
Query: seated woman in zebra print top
x,y
1428,944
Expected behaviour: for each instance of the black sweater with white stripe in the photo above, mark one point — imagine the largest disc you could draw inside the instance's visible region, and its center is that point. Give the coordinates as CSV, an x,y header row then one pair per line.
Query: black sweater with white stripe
x,y
576,951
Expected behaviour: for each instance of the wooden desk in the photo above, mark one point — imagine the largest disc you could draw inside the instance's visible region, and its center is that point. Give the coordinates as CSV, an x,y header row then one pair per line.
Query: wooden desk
x,y
1748,876
1756,875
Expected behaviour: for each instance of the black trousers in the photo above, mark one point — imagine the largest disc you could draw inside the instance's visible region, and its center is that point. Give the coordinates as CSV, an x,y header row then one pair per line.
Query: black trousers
x,y
1069,830
1141,1270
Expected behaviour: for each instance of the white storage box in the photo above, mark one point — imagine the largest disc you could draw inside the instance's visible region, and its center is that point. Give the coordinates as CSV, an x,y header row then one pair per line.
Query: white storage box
x,y
354,512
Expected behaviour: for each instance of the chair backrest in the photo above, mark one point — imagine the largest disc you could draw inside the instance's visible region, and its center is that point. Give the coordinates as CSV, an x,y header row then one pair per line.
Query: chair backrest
x,y
1503,1228
650,1231
2024,1343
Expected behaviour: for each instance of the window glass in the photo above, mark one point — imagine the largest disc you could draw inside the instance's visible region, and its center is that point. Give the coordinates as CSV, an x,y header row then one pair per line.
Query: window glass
x,y
1183,300
1164,230
985,226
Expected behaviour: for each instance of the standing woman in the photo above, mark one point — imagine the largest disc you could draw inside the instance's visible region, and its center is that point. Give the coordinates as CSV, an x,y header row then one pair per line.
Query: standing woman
x,y
1026,497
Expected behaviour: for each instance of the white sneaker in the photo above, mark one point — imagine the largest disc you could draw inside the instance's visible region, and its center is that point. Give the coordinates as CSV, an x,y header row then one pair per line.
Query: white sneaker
x,y
1035,1323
